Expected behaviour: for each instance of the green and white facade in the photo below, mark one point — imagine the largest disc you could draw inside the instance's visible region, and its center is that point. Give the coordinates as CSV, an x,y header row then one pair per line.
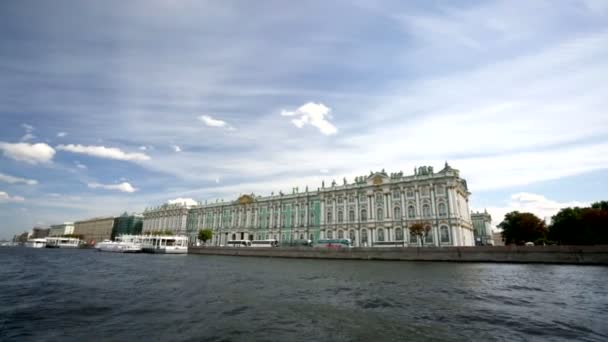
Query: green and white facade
x,y
374,208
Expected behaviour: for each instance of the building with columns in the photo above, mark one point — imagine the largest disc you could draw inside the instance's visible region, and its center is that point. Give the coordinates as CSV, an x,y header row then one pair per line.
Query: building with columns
x,y
482,225
378,207
167,217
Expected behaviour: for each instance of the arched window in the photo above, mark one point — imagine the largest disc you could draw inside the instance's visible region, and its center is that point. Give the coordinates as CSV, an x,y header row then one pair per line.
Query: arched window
x,y
302,219
364,235
442,209
351,216
379,216
429,235
233,236
426,210
340,216
380,234
311,237
352,236
411,212
363,215
340,234
398,234
445,234
282,237
329,217
397,213
330,234
301,236
413,237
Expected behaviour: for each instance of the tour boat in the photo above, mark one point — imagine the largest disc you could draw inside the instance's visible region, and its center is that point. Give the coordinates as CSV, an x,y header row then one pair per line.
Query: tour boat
x,y
164,244
123,244
62,242
35,243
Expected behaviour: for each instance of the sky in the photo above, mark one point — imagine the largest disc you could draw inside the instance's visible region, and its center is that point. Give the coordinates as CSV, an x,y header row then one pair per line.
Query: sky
x,y
114,106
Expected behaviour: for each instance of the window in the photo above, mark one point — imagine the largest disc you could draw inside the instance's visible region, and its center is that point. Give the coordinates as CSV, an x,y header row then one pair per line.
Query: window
x,y
301,236
380,234
302,219
363,215
440,189
429,235
351,199
397,213
352,236
340,216
340,234
351,216
411,212
311,237
329,217
379,198
410,192
426,210
340,200
413,238
362,199
442,209
445,234
379,215
330,234
396,194
399,234
426,191
233,236
364,236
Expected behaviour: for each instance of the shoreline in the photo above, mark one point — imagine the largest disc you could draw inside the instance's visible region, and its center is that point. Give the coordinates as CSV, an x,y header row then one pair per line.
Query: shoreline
x,y
559,255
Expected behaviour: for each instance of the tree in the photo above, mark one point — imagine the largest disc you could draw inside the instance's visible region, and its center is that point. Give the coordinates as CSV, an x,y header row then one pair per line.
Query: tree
x,y
519,228
420,230
205,235
581,226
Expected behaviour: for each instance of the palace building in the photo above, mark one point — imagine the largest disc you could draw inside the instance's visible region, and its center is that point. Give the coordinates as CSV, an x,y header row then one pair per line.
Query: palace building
x,y
376,208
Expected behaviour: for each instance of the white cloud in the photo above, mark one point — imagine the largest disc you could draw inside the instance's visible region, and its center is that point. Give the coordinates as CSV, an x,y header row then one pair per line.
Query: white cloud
x,y
28,128
177,148
28,132
104,152
533,203
187,201
6,198
123,187
29,153
211,122
79,165
324,171
143,148
315,114
61,134
14,180
28,136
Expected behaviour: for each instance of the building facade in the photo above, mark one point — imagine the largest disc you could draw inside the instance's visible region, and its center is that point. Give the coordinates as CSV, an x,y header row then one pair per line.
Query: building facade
x,y
62,229
95,230
167,217
374,208
39,233
482,225
127,224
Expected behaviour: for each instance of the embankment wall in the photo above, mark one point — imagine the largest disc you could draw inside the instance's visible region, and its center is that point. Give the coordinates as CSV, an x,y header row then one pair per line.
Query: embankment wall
x,y
576,255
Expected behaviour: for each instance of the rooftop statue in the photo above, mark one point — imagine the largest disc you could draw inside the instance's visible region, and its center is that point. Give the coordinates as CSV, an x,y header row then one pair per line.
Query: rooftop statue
x,y
344,180
333,183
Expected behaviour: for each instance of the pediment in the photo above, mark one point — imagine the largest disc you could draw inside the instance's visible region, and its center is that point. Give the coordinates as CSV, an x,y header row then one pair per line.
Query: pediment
x,y
378,178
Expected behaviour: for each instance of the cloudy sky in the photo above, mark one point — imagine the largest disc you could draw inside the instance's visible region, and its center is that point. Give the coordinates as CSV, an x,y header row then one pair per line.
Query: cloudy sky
x,y
112,106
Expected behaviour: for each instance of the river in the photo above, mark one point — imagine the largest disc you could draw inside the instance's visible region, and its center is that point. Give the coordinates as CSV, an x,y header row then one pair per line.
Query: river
x,y
77,295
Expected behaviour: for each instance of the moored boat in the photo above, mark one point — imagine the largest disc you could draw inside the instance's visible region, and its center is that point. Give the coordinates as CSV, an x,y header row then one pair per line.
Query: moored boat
x,y
165,244
35,243
62,242
123,244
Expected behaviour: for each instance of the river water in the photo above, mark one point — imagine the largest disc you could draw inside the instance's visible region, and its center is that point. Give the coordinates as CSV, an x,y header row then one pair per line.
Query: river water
x,y
83,295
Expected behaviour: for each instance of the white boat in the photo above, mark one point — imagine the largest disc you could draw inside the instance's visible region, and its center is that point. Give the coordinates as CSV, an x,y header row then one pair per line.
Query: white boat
x,y
62,242
35,243
165,244
123,244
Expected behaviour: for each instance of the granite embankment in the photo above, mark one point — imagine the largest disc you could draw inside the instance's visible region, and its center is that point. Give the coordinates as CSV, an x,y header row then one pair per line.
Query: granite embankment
x,y
576,255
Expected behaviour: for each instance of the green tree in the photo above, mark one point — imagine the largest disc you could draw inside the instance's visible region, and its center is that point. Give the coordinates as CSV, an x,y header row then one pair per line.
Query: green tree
x,y
205,235
420,230
581,226
519,228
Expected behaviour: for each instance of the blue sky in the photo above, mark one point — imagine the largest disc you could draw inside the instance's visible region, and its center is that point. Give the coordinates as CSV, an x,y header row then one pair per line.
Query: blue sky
x,y
113,106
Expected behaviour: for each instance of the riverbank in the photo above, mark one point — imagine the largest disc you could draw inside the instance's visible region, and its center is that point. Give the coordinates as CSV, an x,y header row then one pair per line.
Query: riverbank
x,y
575,255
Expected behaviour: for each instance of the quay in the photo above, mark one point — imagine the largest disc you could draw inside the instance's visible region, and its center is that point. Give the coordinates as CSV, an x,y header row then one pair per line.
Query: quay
x,y
574,255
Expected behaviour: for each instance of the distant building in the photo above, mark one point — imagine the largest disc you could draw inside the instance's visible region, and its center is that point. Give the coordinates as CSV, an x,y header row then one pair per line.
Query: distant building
x,y
498,241
62,229
95,230
127,224
39,233
167,217
482,228
373,209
